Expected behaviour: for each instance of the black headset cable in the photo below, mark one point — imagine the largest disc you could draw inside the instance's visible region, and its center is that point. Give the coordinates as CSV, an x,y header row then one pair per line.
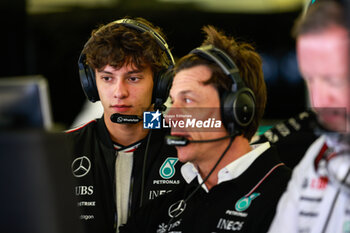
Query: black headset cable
x,y
232,137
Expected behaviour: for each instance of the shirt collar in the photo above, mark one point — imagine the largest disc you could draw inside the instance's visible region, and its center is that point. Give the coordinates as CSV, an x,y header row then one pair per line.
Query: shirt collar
x,y
127,149
231,171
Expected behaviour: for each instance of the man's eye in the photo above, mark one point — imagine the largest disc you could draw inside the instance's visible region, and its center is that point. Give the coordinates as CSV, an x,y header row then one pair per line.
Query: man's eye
x,y
106,78
335,82
134,79
187,100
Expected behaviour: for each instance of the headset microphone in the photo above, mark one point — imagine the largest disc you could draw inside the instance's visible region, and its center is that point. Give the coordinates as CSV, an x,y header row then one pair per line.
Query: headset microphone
x,y
125,119
182,141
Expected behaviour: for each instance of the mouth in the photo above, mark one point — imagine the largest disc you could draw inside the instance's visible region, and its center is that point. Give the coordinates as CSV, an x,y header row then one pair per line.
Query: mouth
x,y
121,108
331,115
333,120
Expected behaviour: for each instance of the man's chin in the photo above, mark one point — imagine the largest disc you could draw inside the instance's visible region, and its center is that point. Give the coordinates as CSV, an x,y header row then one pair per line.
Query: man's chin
x,y
182,153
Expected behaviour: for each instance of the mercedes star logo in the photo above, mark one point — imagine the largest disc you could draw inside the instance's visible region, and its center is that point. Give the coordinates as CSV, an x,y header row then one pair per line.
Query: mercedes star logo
x,y
177,208
81,166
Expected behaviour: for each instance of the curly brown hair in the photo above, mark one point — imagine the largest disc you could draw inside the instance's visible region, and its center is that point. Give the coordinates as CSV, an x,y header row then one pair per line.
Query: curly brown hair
x,y
116,45
248,62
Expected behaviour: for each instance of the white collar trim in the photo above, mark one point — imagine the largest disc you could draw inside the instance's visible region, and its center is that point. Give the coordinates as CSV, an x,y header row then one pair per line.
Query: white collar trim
x,y
231,171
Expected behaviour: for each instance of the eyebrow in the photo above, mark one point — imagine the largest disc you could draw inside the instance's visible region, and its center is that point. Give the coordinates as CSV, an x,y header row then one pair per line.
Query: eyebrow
x,y
130,72
184,92
134,71
103,71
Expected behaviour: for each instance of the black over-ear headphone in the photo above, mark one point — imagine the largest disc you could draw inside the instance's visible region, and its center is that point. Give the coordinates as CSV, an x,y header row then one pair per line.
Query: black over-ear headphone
x,y
162,80
238,104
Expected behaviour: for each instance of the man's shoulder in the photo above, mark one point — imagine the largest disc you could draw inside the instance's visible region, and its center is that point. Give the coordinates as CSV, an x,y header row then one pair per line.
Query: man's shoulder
x,y
82,129
272,157
307,164
315,148
81,133
292,137
270,170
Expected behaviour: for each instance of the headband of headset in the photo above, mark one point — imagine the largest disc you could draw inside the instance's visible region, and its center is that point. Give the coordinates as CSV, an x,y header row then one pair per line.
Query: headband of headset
x,y
218,56
143,28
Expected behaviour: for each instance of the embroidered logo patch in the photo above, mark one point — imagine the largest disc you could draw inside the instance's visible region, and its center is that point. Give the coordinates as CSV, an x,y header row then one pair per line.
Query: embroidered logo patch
x,y
244,203
81,166
167,170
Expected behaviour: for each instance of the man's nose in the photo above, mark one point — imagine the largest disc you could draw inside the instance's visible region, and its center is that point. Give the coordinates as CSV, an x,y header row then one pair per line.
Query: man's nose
x,y
320,96
121,90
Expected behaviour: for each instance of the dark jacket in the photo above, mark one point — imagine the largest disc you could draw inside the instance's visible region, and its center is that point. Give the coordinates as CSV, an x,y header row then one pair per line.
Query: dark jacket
x,y
93,167
292,137
245,204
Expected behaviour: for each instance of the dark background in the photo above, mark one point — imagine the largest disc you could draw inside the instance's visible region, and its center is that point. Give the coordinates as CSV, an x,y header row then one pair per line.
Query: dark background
x,y
50,43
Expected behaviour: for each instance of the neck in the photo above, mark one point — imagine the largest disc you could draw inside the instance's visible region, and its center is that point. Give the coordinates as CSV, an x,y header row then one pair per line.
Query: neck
x,y
125,134
239,147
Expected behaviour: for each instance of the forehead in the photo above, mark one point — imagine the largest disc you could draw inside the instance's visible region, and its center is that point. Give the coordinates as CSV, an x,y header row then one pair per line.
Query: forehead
x,y
324,53
126,67
191,79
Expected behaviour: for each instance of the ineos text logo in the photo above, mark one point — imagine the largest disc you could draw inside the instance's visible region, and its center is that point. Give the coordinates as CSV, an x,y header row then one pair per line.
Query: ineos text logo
x,y
81,166
177,208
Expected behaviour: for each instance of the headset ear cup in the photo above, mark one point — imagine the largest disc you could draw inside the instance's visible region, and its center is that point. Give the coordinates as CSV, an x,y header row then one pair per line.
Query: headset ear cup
x,y
88,80
244,107
92,88
238,109
161,87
